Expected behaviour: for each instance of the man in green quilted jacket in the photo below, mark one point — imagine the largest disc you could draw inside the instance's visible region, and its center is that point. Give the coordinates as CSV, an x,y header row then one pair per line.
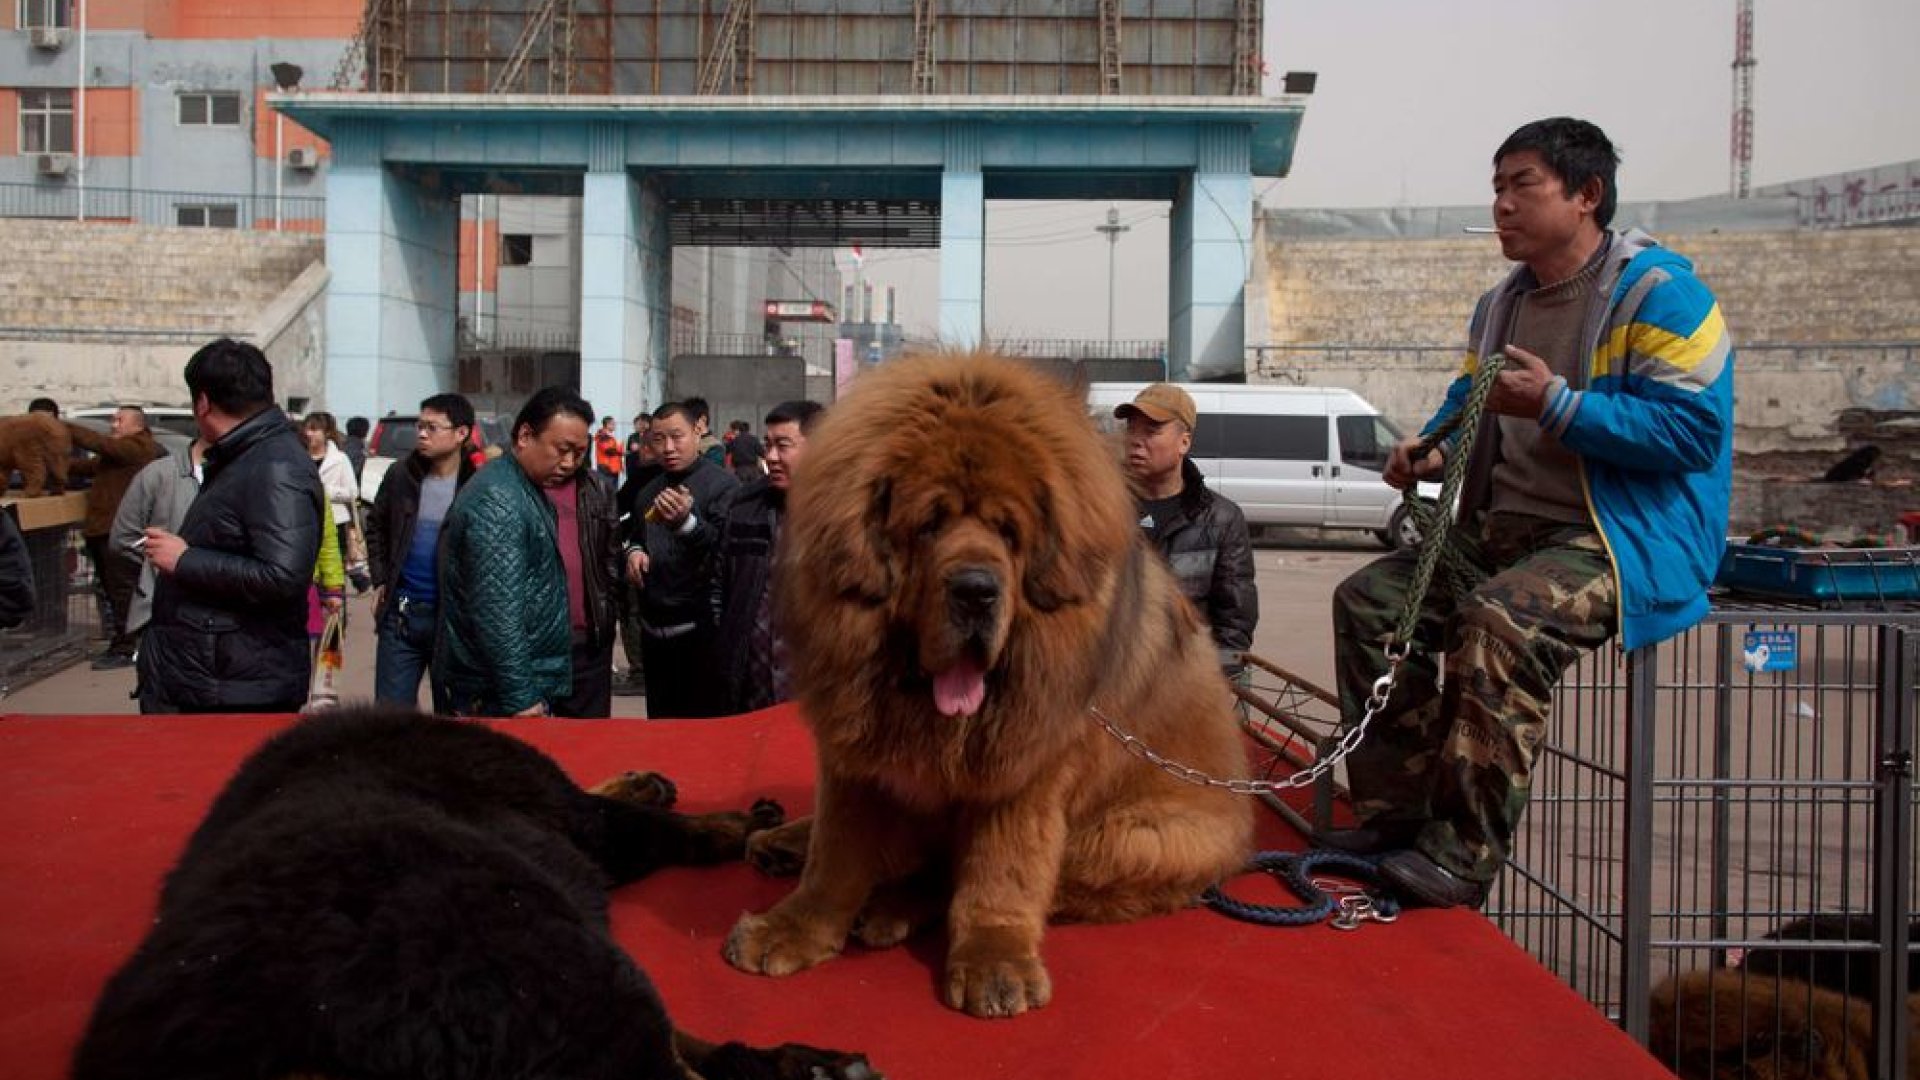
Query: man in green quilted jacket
x,y
507,613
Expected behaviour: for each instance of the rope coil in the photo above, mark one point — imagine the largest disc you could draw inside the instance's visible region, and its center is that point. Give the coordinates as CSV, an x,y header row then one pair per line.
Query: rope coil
x,y
1295,870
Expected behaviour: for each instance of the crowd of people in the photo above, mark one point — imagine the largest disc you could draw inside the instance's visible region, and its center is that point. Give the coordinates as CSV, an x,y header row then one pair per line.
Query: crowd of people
x,y
503,583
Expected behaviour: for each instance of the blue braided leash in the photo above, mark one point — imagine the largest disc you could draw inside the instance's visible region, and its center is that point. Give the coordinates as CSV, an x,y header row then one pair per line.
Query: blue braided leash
x,y
1295,870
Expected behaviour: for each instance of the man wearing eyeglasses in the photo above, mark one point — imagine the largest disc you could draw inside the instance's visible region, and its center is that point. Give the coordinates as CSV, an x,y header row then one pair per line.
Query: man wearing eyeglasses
x,y
403,546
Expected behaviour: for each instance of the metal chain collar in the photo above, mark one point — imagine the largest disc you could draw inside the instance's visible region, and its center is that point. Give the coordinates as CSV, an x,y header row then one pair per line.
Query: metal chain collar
x,y
1376,701
1396,649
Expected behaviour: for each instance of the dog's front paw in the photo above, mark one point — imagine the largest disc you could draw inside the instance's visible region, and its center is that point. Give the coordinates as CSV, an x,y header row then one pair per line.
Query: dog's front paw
x,y
639,788
765,814
774,944
987,981
782,851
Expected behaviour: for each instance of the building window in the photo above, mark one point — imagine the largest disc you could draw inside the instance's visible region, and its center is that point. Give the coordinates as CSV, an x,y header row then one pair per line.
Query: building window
x,y
207,215
210,109
516,249
34,13
46,121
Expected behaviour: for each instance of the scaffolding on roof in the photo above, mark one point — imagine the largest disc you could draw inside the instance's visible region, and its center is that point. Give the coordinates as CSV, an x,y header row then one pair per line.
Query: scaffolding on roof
x,y
808,47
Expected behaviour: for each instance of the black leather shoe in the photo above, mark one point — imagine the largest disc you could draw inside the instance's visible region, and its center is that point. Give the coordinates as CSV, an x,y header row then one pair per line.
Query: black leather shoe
x,y
1367,839
1422,882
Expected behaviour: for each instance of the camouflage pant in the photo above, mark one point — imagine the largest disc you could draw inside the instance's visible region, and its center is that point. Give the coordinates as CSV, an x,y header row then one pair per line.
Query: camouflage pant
x,y
1456,761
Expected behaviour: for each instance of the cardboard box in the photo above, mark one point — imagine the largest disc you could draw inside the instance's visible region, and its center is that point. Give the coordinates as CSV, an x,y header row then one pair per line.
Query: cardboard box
x,y
48,511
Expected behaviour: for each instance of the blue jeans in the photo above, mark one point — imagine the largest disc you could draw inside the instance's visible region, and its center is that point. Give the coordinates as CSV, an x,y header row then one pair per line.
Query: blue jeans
x,y
405,650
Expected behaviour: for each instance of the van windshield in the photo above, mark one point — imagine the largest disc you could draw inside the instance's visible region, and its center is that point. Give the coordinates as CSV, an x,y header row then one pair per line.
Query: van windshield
x,y
1366,440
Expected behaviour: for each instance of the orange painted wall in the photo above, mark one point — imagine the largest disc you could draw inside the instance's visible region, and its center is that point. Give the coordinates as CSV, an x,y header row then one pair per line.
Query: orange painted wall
x,y
113,122
469,254
230,19
217,19
9,123
127,14
263,123
316,226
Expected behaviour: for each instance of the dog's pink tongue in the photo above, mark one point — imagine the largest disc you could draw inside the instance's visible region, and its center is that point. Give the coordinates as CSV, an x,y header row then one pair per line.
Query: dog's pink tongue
x,y
959,690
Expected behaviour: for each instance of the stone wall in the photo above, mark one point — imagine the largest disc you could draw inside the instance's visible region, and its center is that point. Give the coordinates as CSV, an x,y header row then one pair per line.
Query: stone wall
x,y
100,314
1827,324
1798,287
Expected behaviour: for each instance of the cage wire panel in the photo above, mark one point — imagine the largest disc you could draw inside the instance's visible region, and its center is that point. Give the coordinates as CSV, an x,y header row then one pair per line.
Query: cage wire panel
x,y
67,610
1766,797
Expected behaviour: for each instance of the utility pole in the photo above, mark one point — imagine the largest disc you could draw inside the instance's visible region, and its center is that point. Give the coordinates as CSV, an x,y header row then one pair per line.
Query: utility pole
x,y
1113,229
1743,99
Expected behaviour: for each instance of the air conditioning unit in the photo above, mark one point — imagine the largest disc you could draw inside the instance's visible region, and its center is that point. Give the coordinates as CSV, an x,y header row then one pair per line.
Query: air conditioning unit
x,y
303,157
47,37
54,164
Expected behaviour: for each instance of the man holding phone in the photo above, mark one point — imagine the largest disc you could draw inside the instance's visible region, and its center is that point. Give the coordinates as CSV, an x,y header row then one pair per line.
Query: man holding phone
x,y
670,544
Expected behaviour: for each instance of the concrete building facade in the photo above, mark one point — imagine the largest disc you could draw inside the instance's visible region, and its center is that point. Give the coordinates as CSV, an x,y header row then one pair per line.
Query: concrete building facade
x,y
171,106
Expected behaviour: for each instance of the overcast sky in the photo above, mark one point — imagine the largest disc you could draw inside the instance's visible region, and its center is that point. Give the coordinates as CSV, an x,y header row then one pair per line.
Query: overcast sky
x,y
1414,95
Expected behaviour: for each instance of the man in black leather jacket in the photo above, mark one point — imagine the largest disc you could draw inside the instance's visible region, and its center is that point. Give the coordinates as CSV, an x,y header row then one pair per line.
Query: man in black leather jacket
x,y
1202,534
229,627
749,652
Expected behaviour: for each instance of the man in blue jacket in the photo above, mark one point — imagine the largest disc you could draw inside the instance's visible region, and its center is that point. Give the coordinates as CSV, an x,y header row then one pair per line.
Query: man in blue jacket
x,y
1595,503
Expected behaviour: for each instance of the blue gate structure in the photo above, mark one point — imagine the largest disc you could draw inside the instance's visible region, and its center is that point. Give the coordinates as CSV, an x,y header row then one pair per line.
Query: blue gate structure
x,y
653,172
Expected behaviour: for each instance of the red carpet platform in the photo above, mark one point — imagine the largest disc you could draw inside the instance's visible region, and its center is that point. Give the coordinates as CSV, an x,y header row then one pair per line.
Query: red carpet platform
x,y
93,811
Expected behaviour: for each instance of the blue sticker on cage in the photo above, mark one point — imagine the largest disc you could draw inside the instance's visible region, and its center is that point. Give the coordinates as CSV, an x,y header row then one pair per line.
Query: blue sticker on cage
x,y
1770,650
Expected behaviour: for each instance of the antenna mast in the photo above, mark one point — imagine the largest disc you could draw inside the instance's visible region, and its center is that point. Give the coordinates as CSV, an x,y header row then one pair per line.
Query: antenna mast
x,y
1743,99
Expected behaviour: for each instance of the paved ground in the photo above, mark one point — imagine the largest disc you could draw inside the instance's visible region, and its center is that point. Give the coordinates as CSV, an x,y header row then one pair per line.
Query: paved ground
x,y
1297,573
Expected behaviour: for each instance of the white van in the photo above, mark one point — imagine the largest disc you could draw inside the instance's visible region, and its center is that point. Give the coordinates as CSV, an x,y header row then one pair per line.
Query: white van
x,y
1290,455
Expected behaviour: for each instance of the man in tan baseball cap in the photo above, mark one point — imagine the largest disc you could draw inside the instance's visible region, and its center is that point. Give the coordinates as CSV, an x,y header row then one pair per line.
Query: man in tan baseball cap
x,y
1201,533
1162,402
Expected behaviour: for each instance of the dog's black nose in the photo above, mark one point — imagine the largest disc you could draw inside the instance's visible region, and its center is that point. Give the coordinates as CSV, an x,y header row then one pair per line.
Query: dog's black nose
x,y
973,592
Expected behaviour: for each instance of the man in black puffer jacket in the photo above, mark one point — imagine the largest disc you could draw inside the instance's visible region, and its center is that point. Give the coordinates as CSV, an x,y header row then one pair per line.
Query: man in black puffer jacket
x,y
670,559
229,627
1202,534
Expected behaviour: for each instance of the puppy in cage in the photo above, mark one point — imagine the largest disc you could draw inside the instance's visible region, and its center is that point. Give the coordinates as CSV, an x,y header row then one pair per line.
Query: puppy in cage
x,y
1784,1013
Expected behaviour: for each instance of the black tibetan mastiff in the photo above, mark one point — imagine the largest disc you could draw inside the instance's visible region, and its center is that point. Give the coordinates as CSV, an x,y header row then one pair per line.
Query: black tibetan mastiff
x,y
379,894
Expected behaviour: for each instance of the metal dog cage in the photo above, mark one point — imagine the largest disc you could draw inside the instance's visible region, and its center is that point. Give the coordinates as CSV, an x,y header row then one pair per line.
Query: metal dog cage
x,y
1700,795
66,609
1696,797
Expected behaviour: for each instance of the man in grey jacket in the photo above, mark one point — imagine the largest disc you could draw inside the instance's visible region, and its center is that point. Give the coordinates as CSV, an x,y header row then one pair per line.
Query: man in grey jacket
x,y
158,497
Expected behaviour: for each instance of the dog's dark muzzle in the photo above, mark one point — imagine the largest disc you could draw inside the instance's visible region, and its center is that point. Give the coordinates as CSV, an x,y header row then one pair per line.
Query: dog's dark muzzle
x,y
973,599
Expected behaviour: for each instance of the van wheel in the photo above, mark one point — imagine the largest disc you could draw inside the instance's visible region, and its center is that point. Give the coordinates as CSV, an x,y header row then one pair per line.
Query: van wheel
x,y
1402,530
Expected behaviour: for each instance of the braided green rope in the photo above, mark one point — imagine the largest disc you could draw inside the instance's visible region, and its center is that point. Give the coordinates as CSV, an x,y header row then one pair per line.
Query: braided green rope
x,y
1437,523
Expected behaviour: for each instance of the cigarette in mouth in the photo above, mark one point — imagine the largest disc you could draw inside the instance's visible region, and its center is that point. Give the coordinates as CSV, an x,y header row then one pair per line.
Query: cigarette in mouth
x,y
1479,230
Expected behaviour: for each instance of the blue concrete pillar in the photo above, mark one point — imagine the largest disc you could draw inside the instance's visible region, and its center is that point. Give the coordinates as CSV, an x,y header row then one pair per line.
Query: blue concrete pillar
x,y
1211,249
963,240
393,250
625,282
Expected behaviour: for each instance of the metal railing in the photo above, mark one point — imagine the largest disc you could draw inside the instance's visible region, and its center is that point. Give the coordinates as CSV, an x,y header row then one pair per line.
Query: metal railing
x,y
1084,348
65,201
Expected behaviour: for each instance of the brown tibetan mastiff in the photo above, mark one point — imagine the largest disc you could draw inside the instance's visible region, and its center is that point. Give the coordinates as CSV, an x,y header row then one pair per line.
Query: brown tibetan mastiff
x,y
1789,1012
966,583
380,894
39,446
